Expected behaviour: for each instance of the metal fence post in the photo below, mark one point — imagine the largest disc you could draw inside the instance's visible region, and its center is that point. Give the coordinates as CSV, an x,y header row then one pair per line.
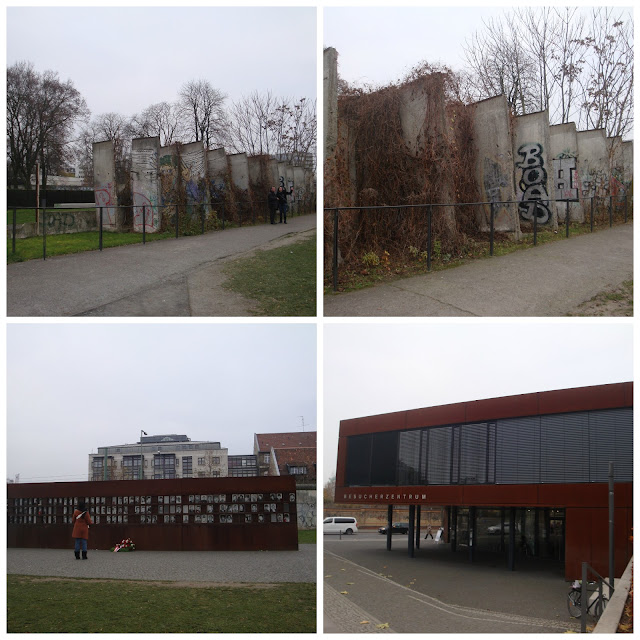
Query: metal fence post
x,y
177,220
610,212
13,232
566,220
203,220
612,564
492,229
100,231
626,204
335,249
223,216
535,228
592,198
144,224
44,229
429,217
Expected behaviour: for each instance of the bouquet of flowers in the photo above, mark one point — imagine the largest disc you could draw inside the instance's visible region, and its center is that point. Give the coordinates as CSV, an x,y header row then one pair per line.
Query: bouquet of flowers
x,y
125,545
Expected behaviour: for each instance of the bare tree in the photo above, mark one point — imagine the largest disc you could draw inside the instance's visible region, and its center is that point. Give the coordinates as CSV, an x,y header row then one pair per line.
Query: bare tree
x,y
555,58
607,84
162,119
203,111
261,124
41,114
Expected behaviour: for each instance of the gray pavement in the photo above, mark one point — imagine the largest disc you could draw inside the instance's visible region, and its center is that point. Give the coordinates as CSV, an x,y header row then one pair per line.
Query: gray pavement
x,y
437,591
175,566
547,280
174,277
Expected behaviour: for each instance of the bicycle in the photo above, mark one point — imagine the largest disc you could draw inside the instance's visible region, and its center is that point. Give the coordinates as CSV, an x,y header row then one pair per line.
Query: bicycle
x,y
574,600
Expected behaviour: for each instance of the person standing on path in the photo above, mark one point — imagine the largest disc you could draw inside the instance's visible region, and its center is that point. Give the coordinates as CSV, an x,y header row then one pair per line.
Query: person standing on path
x,y
272,201
429,532
81,522
282,202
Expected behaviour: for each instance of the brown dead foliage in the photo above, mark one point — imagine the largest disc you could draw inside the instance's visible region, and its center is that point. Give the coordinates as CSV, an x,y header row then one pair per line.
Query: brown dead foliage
x,y
374,166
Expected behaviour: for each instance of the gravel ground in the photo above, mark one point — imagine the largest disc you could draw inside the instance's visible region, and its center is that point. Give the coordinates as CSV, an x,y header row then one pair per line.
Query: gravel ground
x,y
190,566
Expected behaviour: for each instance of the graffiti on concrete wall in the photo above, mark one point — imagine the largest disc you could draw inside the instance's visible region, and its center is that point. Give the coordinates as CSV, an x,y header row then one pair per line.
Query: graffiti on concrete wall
x,y
192,170
617,186
105,199
144,208
534,200
494,180
61,222
168,173
306,505
593,182
565,175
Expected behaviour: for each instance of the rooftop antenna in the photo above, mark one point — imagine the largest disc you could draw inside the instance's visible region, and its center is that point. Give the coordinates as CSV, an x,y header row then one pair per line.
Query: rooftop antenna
x,y
302,418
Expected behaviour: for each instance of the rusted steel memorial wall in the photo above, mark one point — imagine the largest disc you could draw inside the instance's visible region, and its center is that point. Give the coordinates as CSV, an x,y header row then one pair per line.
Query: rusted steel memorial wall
x,y
197,514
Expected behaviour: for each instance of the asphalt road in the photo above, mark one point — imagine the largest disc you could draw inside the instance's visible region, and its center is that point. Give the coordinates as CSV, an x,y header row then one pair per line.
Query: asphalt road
x,y
165,278
436,591
547,280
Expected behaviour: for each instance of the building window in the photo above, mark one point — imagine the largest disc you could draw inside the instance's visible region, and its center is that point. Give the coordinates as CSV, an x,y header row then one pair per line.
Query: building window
x,y
267,458
131,467
297,471
200,462
187,466
164,466
216,460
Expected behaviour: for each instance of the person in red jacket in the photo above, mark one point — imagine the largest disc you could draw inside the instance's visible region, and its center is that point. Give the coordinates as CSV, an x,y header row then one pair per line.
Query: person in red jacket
x,y
81,522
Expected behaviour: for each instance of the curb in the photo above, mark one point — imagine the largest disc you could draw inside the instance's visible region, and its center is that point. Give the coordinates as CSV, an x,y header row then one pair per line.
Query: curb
x,y
610,619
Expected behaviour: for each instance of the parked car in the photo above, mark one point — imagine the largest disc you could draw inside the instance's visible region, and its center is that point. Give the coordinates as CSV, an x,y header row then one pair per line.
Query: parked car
x,y
397,527
495,529
340,524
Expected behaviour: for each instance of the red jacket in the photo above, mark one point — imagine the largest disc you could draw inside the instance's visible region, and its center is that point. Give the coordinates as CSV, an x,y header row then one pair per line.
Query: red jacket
x,y
81,525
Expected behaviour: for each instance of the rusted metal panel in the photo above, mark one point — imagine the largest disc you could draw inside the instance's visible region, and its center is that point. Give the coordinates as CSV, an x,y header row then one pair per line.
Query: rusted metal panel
x,y
194,514
606,396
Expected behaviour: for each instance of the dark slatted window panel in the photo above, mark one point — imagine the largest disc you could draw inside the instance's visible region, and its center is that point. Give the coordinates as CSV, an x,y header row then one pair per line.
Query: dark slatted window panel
x,y
439,456
518,451
564,451
384,458
359,460
409,457
474,454
611,438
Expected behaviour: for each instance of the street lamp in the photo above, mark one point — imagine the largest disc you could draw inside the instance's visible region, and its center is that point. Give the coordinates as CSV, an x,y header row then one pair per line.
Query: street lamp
x,y
141,472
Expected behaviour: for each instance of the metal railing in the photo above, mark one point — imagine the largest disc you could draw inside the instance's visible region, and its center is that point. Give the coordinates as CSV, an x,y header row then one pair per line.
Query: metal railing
x,y
429,208
174,215
601,602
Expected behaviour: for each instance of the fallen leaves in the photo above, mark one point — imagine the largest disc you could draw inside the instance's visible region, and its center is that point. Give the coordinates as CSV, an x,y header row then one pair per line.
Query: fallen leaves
x,y
383,625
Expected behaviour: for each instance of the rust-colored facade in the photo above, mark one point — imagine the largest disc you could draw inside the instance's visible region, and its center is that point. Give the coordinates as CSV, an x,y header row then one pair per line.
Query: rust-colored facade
x,y
189,514
585,505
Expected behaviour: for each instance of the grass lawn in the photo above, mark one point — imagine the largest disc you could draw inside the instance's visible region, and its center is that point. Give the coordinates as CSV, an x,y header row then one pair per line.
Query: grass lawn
x,y
57,245
66,605
306,536
282,280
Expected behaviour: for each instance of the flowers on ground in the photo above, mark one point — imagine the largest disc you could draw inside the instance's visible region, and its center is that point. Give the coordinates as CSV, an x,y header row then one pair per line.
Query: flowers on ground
x,y
125,545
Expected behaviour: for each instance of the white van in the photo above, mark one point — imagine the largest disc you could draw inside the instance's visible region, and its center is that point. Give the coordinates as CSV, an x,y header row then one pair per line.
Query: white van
x,y
340,524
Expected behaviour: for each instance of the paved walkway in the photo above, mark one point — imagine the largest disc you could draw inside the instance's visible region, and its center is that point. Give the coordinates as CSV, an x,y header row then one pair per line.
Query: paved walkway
x,y
437,591
175,566
547,280
163,278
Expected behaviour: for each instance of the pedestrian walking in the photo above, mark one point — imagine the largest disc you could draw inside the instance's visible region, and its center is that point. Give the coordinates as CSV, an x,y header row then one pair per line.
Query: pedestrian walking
x,y
429,532
81,522
282,202
272,202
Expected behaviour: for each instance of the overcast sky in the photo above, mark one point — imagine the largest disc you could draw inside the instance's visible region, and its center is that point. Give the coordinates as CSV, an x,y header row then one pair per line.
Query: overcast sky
x,y
125,59
379,45
75,387
379,368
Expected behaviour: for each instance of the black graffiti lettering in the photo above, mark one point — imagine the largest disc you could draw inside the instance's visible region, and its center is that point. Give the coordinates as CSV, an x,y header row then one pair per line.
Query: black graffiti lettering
x,y
533,184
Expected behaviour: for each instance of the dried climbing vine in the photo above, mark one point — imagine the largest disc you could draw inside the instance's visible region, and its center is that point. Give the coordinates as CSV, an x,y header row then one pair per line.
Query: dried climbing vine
x,y
374,165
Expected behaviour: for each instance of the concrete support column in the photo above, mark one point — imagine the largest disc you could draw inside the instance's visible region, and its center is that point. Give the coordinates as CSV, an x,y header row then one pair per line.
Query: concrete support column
x,y
512,538
418,515
472,532
454,527
502,514
389,523
412,529
536,537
